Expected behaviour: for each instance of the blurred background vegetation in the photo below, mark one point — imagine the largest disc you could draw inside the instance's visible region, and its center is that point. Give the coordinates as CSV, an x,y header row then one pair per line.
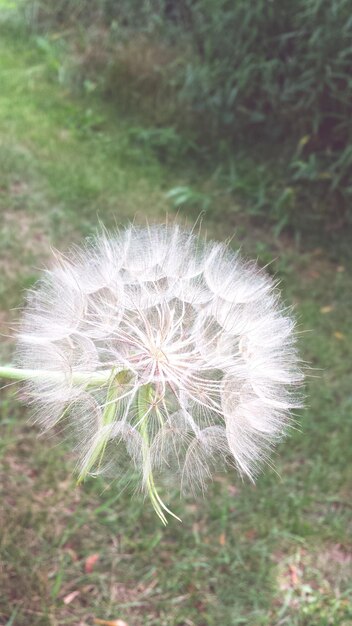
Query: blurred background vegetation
x,y
260,93
118,110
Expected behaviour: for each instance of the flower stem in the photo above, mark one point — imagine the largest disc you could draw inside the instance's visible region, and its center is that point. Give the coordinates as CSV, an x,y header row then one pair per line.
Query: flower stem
x,y
144,408
77,378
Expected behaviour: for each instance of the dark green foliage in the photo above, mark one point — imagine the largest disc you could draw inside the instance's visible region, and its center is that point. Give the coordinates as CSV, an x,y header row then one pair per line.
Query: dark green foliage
x,y
278,72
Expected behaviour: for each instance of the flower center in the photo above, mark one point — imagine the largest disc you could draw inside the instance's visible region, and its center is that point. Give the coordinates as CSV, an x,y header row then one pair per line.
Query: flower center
x,y
158,355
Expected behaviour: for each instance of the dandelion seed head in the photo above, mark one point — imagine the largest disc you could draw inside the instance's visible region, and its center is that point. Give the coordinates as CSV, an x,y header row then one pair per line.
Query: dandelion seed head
x,y
170,347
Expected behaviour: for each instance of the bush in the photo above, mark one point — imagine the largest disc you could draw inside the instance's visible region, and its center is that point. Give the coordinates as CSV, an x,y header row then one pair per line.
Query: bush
x,y
280,71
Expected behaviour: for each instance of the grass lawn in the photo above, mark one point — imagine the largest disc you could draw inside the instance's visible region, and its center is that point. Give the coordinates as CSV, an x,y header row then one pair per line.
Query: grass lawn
x,y
276,554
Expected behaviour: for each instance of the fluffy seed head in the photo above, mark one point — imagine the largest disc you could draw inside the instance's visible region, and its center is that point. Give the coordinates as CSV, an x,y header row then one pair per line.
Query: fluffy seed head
x,y
156,345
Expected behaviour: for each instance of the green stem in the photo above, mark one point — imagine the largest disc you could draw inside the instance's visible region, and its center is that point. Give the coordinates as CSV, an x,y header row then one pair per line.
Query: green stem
x,y
77,378
143,404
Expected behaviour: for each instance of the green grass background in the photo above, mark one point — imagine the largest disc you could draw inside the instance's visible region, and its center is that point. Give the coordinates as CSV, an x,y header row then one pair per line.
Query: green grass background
x,y
275,554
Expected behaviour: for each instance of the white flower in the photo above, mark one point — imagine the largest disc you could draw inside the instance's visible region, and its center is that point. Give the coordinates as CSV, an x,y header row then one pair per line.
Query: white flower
x,y
154,344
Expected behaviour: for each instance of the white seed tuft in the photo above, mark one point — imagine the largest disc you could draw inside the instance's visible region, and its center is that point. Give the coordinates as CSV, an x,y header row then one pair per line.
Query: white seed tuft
x,y
168,349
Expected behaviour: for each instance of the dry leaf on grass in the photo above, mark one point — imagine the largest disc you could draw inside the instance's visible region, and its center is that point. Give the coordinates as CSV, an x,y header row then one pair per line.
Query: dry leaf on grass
x,y
71,596
90,563
222,539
